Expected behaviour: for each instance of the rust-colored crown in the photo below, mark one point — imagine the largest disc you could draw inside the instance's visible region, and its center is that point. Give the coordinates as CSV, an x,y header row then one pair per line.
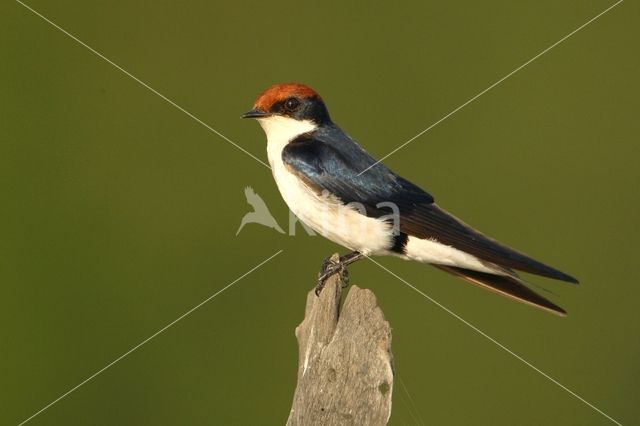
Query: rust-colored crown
x,y
282,91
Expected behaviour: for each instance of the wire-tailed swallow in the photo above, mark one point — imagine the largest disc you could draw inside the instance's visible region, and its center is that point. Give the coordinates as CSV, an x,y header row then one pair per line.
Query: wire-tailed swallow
x,y
318,169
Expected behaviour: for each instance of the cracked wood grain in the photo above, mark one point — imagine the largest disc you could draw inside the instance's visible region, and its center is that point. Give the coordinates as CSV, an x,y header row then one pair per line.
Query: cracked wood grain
x,y
345,366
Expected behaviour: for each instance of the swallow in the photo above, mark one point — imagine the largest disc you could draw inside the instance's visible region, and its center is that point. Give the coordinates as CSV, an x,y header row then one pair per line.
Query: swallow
x,y
334,186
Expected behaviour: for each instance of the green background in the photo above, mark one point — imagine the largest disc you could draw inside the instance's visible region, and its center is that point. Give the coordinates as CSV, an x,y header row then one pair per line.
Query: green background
x,y
118,212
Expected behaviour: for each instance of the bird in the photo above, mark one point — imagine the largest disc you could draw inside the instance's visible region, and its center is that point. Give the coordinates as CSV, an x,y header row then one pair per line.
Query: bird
x,y
260,213
338,189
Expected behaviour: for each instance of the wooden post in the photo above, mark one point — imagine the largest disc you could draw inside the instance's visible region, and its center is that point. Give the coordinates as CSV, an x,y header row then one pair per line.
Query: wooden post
x,y
345,365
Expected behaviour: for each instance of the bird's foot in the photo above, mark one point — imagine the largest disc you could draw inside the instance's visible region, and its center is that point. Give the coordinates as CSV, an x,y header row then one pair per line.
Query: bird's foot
x,y
331,267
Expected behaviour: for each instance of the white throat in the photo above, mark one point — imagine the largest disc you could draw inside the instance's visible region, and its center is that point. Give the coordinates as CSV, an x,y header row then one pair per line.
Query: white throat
x,y
322,212
280,131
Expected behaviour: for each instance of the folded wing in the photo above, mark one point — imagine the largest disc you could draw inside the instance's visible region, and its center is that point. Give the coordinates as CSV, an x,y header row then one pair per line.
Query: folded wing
x,y
331,161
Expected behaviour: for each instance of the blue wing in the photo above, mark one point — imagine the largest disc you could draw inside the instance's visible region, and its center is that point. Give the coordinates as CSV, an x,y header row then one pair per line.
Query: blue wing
x,y
329,160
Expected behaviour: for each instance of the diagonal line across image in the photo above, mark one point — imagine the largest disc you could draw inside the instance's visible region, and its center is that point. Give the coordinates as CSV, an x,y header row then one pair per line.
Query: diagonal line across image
x,y
491,87
142,83
171,102
494,341
145,341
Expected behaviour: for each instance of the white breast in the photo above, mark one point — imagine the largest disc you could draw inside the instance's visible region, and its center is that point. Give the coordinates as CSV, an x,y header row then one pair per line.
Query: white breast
x,y
324,213
343,224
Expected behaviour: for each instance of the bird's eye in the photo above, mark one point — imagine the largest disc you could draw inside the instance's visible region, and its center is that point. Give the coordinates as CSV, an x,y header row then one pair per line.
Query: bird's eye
x,y
291,104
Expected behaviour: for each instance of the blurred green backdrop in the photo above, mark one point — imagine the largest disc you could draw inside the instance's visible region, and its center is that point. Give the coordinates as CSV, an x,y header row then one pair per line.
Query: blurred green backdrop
x,y
119,212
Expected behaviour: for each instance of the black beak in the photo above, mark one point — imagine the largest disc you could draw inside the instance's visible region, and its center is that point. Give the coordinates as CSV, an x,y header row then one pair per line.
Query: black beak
x,y
255,113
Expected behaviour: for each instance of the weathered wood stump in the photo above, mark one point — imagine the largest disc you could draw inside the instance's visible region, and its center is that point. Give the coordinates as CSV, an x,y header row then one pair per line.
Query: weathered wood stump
x,y
345,366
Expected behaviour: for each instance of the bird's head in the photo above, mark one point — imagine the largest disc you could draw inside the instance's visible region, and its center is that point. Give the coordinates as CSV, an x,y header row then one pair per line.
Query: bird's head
x,y
289,105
